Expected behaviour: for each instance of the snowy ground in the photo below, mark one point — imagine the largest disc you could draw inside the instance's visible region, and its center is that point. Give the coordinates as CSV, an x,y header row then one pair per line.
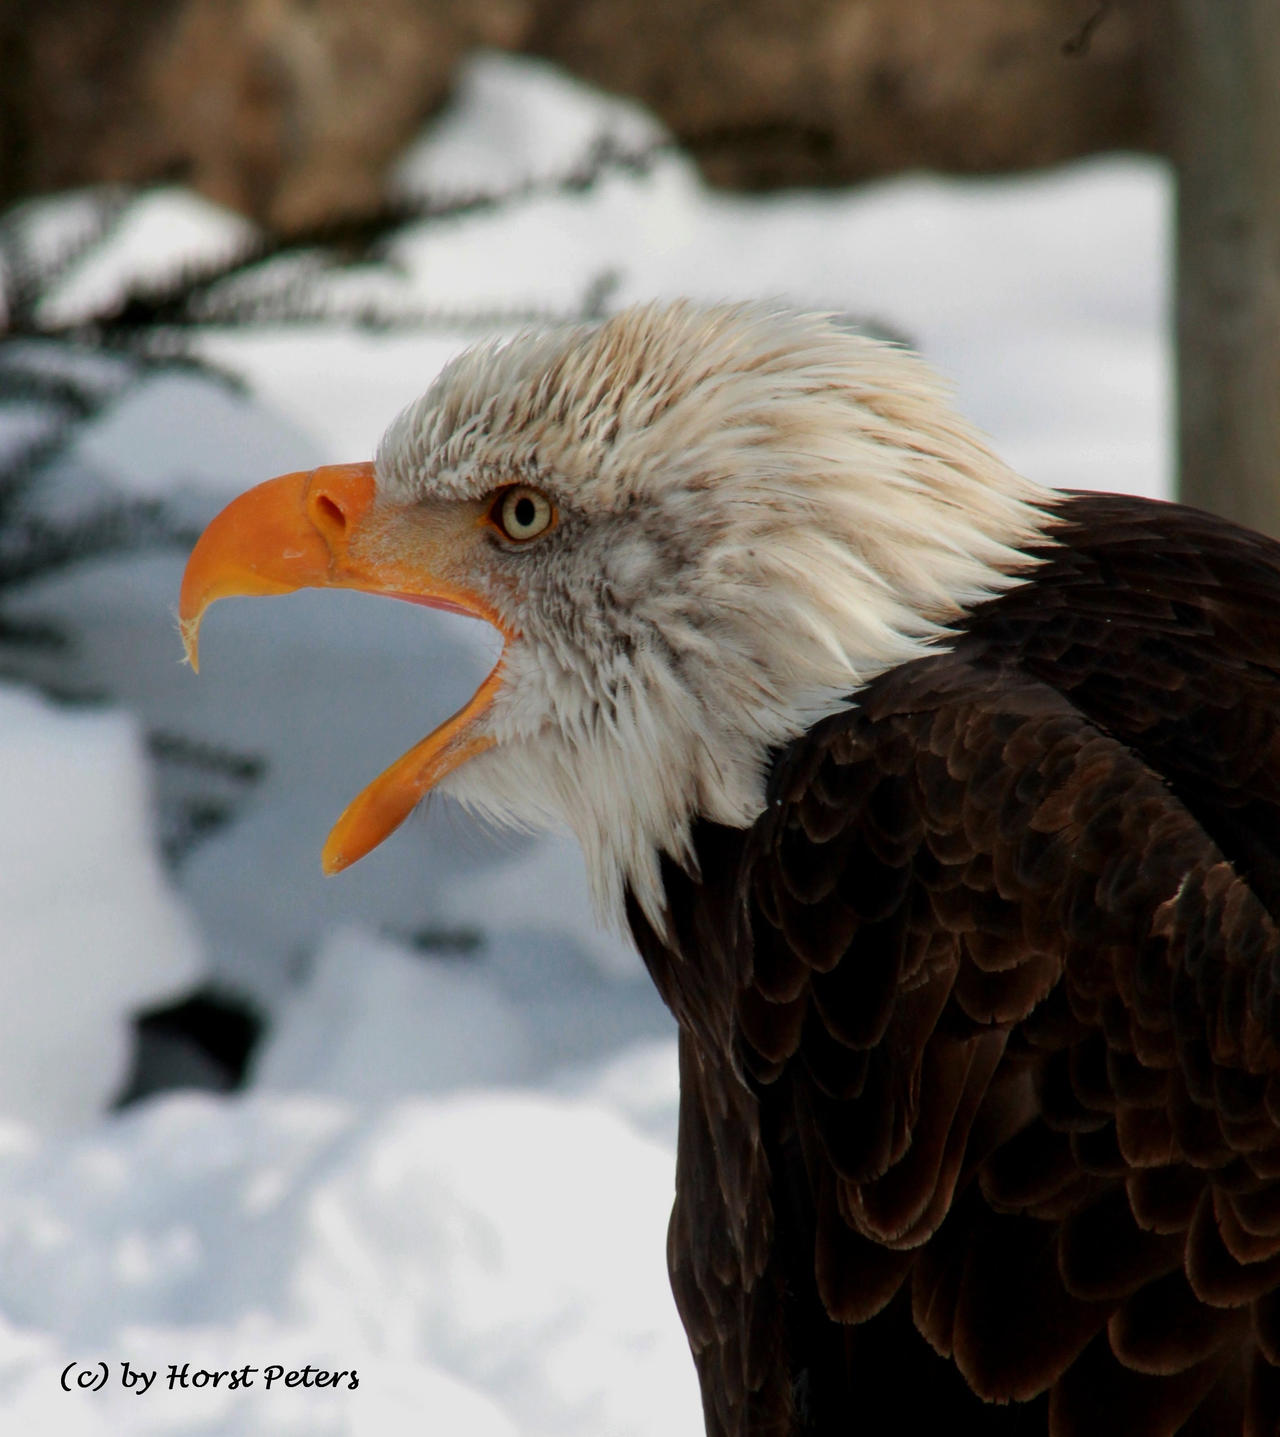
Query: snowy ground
x,y
450,1173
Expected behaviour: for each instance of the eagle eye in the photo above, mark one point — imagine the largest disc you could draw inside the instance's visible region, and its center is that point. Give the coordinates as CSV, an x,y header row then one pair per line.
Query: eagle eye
x,y
521,513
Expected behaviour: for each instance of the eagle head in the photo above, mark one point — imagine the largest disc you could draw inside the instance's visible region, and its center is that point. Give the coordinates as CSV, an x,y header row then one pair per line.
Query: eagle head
x,y
698,530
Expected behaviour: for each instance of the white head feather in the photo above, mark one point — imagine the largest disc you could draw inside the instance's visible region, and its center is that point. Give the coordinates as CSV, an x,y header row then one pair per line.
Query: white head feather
x,y
759,512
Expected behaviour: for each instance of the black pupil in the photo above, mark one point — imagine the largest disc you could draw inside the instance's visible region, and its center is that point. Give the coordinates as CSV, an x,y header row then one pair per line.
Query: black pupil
x,y
525,512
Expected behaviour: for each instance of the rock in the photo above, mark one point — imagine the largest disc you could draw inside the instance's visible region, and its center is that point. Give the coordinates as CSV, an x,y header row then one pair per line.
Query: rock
x,y
832,91
291,110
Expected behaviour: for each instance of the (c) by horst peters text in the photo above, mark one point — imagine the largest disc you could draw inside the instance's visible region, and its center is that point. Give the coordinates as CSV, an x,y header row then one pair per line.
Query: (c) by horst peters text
x,y
94,1376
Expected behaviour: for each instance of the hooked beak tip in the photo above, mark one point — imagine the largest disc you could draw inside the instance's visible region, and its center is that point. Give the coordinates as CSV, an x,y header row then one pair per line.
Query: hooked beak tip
x,y
190,631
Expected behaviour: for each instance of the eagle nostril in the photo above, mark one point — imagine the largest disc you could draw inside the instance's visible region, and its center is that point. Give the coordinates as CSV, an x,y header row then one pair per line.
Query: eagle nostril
x,y
328,514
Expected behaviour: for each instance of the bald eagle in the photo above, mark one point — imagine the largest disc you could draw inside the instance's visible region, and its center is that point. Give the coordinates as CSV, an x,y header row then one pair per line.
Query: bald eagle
x,y
944,810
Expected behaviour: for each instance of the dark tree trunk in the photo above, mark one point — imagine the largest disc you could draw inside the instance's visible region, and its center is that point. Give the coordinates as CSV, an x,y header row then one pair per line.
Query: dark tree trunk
x,y
1223,111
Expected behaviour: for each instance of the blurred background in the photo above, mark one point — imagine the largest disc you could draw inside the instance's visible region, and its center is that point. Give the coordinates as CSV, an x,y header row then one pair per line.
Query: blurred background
x,y
419,1120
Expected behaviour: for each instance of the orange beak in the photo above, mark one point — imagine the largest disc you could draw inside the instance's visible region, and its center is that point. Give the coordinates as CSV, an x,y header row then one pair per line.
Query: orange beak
x,y
322,529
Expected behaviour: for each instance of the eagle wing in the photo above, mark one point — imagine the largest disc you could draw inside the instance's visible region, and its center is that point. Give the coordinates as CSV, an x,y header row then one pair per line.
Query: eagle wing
x,y
1010,1021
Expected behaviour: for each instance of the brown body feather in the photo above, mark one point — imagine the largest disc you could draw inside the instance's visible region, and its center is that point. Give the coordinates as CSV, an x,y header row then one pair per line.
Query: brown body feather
x,y
980,1115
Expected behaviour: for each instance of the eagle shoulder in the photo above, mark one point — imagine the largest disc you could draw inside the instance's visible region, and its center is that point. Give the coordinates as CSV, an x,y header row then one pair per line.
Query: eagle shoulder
x,y
992,988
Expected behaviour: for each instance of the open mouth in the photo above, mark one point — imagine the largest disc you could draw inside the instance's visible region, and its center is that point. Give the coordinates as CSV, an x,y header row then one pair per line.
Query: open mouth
x,y
312,529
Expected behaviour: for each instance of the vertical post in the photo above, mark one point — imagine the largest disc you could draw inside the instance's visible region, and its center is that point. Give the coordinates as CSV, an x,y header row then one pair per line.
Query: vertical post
x,y
1223,111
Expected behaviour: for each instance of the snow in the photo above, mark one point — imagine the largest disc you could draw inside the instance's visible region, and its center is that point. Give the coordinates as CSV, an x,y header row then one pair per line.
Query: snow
x,y
163,233
73,801
374,1020
199,437
513,120
452,1167
432,1244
